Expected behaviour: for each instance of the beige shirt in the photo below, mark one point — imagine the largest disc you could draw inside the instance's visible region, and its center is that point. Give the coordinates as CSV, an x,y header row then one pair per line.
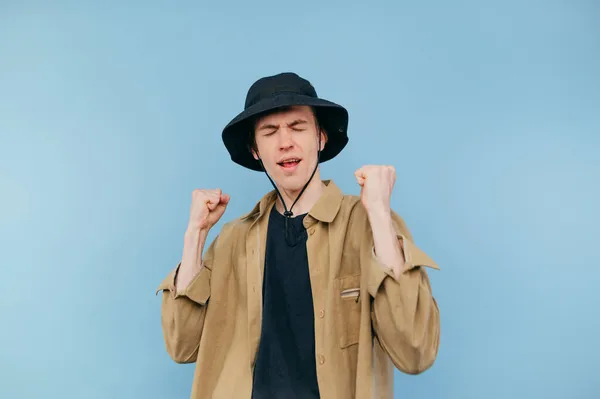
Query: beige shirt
x,y
366,320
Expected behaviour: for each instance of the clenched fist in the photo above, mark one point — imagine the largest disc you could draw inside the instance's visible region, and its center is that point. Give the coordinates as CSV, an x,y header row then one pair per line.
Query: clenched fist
x,y
207,208
377,183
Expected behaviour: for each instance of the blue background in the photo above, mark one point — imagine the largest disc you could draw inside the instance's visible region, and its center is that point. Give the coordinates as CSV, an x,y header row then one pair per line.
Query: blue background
x,y
111,115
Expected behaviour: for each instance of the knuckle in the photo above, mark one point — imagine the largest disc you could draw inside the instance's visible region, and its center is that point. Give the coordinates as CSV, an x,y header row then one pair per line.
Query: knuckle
x,y
201,195
214,192
196,195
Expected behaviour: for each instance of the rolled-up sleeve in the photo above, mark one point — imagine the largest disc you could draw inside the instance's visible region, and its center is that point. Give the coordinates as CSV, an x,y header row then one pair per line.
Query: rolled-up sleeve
x,y
404,312
183,313
198,290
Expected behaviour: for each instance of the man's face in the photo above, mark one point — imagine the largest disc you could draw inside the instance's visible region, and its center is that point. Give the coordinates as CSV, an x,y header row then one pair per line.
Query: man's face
x,y
287,144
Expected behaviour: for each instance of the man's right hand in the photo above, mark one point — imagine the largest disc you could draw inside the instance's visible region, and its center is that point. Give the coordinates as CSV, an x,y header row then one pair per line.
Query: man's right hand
x,y
207,208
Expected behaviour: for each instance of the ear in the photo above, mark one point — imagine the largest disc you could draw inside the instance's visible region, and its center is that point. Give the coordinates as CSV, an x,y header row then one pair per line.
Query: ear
x,y
252,147
323,139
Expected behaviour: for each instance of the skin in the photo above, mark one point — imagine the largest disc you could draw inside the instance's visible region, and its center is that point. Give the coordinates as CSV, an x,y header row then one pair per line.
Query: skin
x,y
293,133
377,183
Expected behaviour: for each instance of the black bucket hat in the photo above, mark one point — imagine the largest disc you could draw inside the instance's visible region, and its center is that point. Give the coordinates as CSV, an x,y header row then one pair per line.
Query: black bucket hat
x,y
278,91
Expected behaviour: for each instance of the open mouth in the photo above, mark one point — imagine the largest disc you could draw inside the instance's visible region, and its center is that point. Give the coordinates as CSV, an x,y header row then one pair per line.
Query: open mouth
x,y
289,163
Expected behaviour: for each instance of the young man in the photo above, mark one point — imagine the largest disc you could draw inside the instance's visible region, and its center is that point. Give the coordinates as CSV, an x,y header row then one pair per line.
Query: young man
x,y
313,294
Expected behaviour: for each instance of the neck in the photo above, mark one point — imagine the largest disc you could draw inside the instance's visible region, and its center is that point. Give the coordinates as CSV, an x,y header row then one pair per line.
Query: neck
x,y
309,197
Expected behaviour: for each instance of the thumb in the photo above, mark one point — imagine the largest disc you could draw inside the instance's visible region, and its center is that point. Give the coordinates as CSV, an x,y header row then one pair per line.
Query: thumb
x,y
220,209
360,176
212,203
224,200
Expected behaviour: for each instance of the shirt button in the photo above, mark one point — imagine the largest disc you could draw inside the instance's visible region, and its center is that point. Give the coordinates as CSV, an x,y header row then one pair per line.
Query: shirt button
x,y
321,313
321,359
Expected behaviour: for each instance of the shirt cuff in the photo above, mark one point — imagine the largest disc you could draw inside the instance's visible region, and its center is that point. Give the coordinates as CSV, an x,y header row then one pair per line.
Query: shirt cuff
x,y
413,257
168,284
198,290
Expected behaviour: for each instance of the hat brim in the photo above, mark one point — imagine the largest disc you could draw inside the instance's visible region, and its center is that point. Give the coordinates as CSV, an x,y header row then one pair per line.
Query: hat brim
x,y
333,118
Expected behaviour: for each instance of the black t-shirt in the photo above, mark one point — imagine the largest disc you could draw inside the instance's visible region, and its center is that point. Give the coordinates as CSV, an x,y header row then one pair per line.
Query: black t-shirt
x,y
285,365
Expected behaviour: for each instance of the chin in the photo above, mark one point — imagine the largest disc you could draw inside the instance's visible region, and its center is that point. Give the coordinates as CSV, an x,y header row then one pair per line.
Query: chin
x,y
291,183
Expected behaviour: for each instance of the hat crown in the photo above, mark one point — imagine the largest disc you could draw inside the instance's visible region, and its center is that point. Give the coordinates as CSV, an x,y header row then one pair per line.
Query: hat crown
x,y
270,86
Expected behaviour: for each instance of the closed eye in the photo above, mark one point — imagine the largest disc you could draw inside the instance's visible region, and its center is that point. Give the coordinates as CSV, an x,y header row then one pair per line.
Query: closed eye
x,y
268,129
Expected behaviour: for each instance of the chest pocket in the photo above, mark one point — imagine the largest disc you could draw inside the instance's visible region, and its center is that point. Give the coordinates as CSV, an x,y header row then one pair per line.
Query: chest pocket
x,y
348,315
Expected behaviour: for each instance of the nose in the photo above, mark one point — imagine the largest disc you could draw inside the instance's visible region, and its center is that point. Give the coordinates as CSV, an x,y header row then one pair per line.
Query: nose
x,y
285,140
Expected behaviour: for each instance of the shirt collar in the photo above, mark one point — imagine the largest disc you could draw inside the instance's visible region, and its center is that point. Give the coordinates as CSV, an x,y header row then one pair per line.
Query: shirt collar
x,y
325,209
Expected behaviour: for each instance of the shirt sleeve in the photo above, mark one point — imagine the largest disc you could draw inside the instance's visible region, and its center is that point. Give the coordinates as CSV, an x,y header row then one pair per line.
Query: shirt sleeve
x,y
183,313
404,312
197,291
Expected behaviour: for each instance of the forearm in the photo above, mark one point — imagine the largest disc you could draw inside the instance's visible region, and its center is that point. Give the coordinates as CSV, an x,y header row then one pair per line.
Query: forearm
x,y
191,261
387,247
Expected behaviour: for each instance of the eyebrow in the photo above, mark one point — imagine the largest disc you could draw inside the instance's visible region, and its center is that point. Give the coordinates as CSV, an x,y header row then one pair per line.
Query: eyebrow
x,y
297,122
269,126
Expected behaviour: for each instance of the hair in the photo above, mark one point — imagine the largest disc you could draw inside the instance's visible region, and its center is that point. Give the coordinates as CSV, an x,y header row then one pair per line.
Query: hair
x,y
254,120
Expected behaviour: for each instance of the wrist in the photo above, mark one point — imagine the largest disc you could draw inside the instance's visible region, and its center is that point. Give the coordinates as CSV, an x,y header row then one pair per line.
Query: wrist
x,y
194,231
379,214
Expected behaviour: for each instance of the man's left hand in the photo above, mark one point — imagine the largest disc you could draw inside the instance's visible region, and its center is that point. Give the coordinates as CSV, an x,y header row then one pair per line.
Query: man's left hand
x,y
377,183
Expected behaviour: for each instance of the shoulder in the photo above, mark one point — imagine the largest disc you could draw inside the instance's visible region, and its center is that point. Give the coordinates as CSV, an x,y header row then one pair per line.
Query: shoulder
x,y
351,208
354,214
239,226
351,219
236,228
